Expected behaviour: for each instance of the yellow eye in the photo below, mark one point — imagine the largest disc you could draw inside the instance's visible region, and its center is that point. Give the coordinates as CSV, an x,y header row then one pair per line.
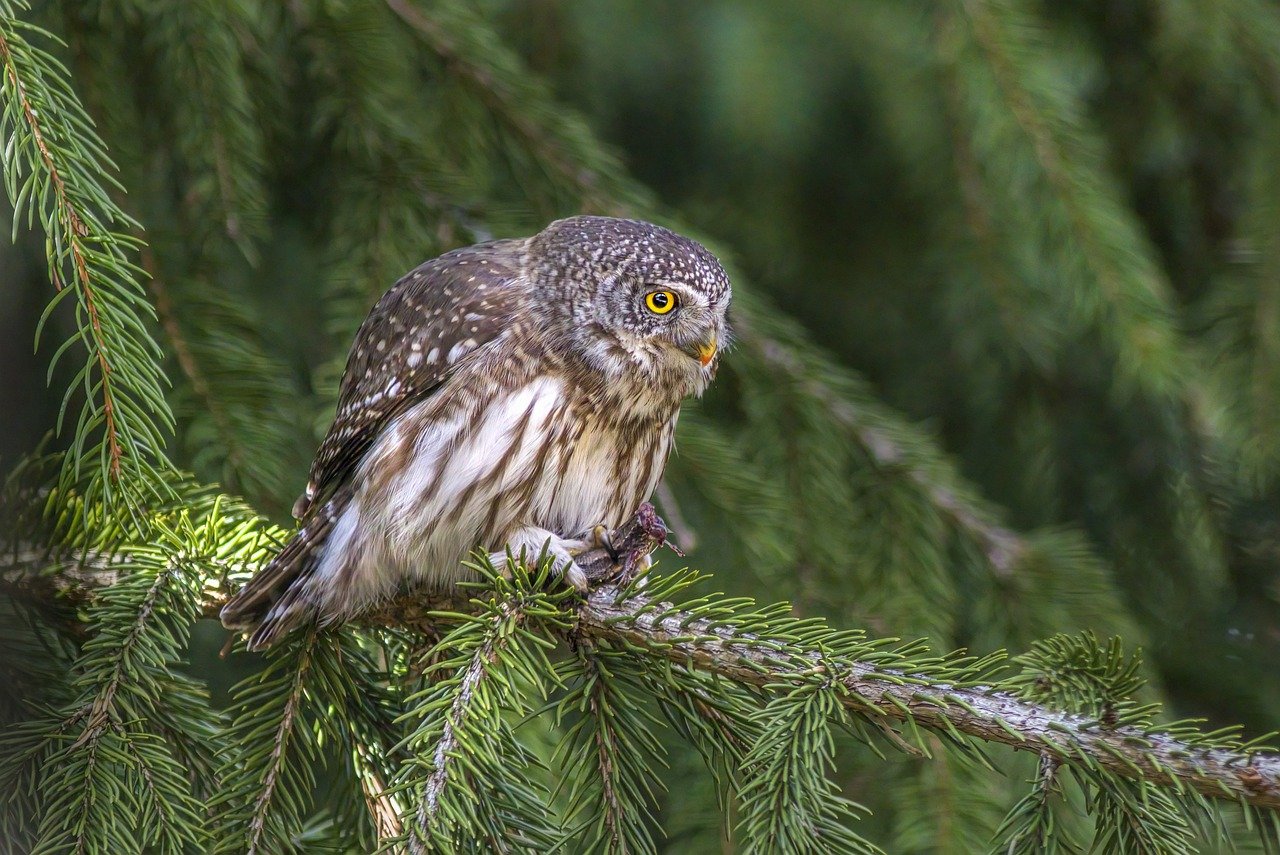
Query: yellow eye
x,y
661,302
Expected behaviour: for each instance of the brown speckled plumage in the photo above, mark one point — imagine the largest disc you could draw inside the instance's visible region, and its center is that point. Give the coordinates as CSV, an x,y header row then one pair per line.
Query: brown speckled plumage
x,y
513,394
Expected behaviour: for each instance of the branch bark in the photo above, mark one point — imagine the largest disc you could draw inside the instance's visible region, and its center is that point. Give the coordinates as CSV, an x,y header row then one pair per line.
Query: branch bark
x,y
607,614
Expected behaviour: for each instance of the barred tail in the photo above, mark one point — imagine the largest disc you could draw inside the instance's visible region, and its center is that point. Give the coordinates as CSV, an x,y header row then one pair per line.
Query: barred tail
x,y
276,599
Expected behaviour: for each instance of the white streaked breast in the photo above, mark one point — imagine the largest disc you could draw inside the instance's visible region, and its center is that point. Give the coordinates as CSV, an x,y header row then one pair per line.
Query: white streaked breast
x,y
425,518
440,483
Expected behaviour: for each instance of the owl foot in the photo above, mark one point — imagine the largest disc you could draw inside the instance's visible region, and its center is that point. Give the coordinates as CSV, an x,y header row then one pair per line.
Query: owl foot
x,y
600,537
533,544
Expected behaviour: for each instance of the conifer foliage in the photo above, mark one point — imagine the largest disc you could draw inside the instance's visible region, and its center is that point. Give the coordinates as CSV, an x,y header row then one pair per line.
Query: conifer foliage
x,y
219,190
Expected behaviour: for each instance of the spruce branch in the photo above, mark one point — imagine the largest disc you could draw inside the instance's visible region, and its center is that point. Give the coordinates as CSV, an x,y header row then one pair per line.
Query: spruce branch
x,y
237,411
446,745
220,147
759,650
268,781
1156,755
949,803
789,803
472,778
1029,828
56,169
105,750
607,754
1121,289
359,680
275,760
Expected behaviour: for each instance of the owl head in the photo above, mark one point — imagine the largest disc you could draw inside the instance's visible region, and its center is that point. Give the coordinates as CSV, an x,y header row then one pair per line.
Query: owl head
x,y
635,298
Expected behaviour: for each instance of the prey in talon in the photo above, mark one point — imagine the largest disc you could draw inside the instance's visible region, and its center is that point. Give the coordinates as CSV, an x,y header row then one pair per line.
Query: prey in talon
x,y
517,397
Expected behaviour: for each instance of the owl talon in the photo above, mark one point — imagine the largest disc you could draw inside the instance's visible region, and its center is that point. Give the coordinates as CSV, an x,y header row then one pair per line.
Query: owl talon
x,y
600,538
533,545
574,575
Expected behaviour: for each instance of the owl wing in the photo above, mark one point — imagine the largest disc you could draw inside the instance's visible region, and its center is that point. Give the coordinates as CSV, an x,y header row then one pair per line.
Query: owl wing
x,y
408,346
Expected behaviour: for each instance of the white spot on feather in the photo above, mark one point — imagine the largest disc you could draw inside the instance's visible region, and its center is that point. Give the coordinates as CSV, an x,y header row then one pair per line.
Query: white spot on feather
x,y
461,349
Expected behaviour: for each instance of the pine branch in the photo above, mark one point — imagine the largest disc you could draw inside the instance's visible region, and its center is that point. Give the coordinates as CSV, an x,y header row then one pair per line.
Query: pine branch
x,y
57,169
105,751
789,804
1175,757
268,781
935,693
1002,546
1121,289
1029,827
606,756
238,411
448,742
473,780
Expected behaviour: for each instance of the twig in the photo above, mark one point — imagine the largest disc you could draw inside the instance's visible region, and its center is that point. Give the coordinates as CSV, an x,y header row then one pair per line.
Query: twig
x,y
74,230
671,509
187,361
476,671
258,825
606,748
99,718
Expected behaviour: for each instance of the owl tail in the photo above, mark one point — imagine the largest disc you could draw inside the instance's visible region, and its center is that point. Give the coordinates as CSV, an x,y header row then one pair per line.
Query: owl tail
x,y
276,599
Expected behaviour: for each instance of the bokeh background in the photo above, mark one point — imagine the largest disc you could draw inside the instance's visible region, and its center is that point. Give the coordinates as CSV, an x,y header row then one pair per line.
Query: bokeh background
x,y
1031,252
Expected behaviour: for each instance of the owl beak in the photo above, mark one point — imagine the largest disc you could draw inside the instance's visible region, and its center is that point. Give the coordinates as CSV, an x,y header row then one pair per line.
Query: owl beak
x,y
704,351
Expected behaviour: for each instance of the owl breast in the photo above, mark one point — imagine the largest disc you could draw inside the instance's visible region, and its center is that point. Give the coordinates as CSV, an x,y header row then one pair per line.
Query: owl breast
x,y
450,476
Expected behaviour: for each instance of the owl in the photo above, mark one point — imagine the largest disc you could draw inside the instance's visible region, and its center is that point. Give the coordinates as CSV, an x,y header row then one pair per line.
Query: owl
x,y
517,397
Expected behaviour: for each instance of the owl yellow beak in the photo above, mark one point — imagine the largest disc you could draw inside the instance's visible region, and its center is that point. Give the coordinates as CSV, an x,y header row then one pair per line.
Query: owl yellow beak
x,y
703,351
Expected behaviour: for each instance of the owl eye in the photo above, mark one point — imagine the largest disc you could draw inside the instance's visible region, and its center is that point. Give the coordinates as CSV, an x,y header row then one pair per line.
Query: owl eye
x,y
661,302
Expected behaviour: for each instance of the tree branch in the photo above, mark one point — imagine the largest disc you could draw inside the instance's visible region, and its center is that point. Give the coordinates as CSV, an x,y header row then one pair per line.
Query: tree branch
x,y
638,622
612,614
73,231
475,672
262,805
976,711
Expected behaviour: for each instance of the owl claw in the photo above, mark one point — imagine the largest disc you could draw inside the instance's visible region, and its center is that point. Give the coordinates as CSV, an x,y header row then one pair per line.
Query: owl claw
x,y
600,538
539,544
574,575
564,567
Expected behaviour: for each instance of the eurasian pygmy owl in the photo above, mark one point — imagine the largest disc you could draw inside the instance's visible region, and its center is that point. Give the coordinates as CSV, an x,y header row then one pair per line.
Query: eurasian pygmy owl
x,y
517,394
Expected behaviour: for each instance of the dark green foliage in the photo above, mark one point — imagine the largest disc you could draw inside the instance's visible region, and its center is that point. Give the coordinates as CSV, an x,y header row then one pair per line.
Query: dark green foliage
x,y
125,762
1050,230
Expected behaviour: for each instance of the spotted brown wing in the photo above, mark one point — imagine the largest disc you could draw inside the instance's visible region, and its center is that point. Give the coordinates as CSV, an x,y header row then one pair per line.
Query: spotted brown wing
x,y
408,345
